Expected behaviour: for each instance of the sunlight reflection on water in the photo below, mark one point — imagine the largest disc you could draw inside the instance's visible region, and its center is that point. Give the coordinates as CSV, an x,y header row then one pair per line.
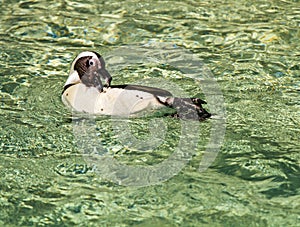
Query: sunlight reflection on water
x,y
253,51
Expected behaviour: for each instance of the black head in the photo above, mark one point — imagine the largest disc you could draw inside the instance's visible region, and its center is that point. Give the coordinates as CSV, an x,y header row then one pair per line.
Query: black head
x,y
91,69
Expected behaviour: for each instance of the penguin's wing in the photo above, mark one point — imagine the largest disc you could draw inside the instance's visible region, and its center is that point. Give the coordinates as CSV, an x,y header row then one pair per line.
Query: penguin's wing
x,y
152,90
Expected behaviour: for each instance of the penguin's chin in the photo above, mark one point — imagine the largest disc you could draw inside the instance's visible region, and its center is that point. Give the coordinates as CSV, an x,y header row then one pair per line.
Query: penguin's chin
x,y
92,79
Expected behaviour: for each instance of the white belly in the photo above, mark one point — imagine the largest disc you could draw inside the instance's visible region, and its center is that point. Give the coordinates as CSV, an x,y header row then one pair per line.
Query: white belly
x,y
112,101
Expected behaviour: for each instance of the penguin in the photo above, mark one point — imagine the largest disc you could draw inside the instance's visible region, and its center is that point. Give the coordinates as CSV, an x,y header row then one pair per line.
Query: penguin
x,y
84,92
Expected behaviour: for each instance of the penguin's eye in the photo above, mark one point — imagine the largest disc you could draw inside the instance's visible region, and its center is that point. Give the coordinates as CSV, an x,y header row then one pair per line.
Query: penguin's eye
x,y
91,62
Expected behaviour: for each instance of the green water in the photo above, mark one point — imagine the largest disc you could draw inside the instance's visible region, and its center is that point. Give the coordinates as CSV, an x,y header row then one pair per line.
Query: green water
x,y
252,49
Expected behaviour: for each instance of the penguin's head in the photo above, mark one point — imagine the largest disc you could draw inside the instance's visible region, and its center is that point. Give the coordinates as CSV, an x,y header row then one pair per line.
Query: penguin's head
x,y
89,68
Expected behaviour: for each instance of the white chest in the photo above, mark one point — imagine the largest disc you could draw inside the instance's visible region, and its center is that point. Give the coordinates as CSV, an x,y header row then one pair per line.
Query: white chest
x,y
112,101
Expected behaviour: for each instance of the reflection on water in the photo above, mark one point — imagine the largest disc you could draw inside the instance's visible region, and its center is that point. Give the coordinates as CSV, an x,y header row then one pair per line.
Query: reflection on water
x,y
252,49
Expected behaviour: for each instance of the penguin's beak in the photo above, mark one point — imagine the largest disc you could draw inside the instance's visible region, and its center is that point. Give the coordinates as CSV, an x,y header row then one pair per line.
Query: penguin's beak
x,y
105,75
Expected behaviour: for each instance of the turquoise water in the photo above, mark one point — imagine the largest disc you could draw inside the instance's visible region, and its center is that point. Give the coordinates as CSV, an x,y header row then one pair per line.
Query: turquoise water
x,y
252,50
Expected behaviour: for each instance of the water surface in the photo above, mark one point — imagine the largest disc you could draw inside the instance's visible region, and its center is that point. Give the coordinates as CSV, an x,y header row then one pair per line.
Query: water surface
x,y
252,49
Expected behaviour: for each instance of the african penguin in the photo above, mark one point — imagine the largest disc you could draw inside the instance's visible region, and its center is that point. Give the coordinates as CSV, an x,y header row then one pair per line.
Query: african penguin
x,y
84,92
